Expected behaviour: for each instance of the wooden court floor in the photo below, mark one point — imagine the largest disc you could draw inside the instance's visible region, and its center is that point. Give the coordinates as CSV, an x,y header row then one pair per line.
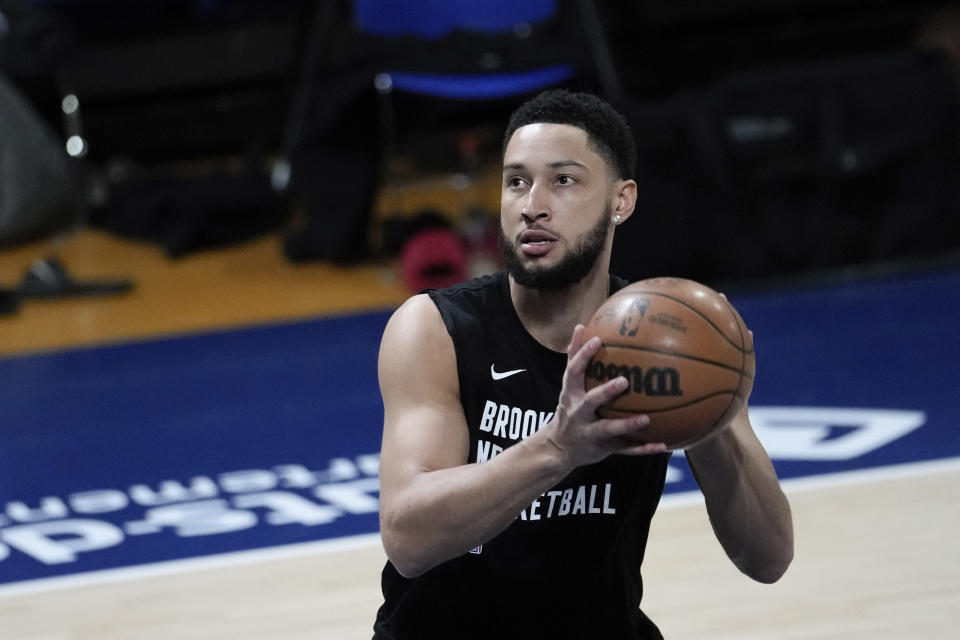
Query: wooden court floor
x,y
877,555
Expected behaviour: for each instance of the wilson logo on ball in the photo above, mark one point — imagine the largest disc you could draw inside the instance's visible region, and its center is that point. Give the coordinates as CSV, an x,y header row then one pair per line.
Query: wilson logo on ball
x,y
654,381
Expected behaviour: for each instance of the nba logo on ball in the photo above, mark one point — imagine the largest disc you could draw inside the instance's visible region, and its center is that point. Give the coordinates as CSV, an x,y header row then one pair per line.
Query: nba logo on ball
x,y
685,351
637,310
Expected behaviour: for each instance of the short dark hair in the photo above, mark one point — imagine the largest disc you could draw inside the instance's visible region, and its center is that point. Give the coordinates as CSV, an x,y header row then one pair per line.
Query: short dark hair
x,y
607,130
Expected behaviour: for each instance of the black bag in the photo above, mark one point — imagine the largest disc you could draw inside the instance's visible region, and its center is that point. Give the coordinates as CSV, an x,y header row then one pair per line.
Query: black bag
x,y
38,193
815,166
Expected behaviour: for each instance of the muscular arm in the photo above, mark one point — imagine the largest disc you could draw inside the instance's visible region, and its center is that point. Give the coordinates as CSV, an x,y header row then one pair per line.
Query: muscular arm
x,y
748,511
435,506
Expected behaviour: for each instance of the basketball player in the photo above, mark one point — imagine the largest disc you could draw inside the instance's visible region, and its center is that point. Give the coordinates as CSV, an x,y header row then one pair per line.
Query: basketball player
x,y
509,509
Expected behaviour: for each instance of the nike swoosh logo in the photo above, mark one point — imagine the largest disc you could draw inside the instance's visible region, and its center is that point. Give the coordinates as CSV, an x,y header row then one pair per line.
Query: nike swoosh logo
x,y
506,374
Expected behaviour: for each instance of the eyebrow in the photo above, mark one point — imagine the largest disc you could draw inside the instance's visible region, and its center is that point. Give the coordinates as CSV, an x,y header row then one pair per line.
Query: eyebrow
x,y
553,165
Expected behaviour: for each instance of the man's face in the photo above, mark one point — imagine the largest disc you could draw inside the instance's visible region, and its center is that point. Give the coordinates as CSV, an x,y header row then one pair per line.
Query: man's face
x,y
555,206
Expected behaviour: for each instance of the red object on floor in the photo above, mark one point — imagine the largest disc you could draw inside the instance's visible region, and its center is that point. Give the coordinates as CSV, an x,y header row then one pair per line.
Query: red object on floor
x,y
433,259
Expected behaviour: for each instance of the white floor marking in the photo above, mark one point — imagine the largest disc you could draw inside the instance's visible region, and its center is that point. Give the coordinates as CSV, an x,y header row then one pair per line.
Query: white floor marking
x,y
253,556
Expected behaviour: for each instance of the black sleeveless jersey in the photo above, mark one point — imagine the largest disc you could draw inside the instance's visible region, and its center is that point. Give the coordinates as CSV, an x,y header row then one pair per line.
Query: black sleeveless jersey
x,y
569,565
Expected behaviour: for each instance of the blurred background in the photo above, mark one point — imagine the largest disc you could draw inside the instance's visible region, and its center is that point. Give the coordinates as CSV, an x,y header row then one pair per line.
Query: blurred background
x,y
776,138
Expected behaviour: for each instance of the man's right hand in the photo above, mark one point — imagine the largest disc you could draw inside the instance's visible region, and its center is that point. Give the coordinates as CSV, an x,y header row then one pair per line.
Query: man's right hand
x,y
580,435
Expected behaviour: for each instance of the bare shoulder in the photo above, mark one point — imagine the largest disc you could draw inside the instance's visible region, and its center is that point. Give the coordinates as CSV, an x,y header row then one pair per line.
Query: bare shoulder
x,y
416,341
423,423
418,317
418,364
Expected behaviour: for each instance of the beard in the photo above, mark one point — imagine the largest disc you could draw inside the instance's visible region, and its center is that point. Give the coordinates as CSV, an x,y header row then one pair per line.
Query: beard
x,y
571,269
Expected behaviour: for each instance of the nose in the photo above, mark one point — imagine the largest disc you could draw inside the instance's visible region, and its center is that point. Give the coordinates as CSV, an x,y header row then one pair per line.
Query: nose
x,y
534,205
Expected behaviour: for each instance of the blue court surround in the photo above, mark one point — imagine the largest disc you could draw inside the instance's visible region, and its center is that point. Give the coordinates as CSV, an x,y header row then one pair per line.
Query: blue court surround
x,y
243,439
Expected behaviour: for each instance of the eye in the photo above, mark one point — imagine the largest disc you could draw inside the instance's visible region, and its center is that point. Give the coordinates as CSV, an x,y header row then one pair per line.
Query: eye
x,y
514,182
564,180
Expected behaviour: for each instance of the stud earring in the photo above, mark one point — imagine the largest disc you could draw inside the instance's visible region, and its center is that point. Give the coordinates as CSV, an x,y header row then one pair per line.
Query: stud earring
x,y
616,219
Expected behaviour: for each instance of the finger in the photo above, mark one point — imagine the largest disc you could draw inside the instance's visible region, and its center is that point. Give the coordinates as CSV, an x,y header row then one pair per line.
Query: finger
x,y
632,436
576,340
604,393
631,428
645,449
577,364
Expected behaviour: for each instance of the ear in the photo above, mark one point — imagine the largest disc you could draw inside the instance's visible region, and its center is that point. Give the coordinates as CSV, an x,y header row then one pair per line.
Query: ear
x,y
625,199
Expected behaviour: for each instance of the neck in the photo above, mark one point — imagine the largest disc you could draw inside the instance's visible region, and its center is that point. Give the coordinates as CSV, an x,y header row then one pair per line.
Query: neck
x,y
550,316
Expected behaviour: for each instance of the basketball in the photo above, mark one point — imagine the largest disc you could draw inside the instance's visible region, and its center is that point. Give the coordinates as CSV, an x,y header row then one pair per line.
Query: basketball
x,y
685,351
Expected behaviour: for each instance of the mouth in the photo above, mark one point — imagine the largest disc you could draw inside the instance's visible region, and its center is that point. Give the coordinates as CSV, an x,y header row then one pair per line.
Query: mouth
x,y
536,242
